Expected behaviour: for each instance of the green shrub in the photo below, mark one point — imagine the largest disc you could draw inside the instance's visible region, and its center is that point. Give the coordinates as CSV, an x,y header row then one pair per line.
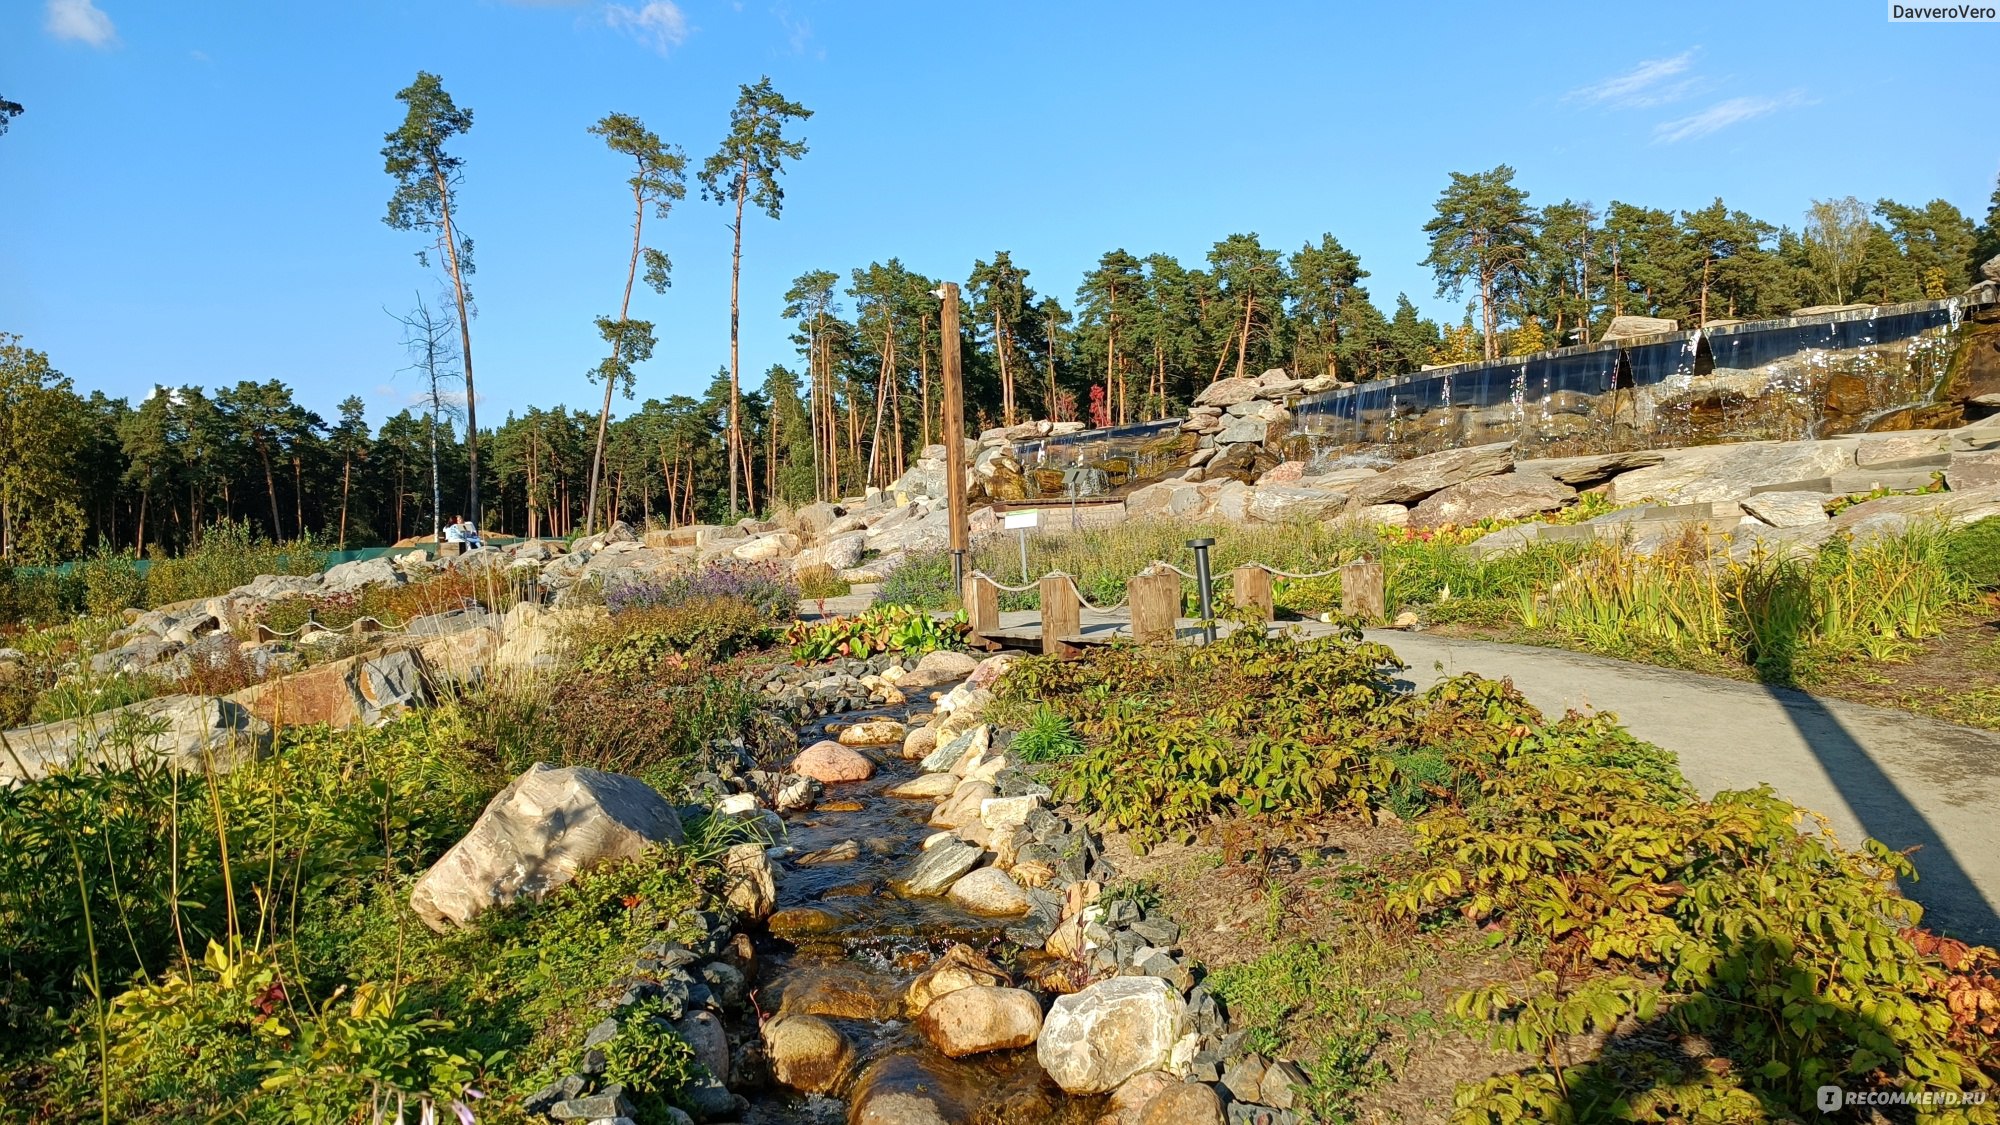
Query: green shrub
x,y
1787,616
1974,553
657,726
42,596
74,697
1715,921
922,582
228,555
652,1062
883,628
704,630
319,994
112,582
1048,737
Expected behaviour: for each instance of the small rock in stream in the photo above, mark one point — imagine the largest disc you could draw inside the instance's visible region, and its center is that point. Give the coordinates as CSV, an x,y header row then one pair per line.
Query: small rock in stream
x,y
940,867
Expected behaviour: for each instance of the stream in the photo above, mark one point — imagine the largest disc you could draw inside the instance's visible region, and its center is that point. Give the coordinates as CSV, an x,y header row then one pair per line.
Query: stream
x,y
844,945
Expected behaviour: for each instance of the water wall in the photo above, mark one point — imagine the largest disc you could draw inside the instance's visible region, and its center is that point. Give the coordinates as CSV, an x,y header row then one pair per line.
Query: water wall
x,y
1889,367
1851,371
1102,462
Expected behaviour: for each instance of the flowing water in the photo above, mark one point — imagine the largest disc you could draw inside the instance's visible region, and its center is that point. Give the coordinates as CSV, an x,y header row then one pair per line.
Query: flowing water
x,y
854,966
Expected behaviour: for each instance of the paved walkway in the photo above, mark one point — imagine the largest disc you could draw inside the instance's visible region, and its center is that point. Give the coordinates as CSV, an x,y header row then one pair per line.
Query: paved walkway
x,y
1905,780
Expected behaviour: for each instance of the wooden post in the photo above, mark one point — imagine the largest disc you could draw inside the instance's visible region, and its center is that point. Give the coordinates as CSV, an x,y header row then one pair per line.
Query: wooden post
x,y
954,419
982,605
1250,586
1062,613
1156,607
1361,591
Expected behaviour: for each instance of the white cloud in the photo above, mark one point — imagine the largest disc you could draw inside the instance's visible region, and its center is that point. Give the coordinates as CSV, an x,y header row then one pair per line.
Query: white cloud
x,y
1642,85
798,30
658,24
80,20
1722,115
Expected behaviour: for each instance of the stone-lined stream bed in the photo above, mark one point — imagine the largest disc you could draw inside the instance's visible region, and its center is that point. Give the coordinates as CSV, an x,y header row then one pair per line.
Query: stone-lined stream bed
x,y
924,938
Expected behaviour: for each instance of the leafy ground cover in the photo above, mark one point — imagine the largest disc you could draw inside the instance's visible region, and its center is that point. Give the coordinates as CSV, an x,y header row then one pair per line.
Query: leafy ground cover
x,y
1617,948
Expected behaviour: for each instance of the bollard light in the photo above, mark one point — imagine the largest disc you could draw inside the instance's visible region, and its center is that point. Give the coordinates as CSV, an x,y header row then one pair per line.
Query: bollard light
x,y
1203,586
958,572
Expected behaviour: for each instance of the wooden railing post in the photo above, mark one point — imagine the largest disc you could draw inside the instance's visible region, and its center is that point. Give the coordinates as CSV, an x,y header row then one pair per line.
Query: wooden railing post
x,y
982,604
1250,587
1156,607
1062,613
1361,591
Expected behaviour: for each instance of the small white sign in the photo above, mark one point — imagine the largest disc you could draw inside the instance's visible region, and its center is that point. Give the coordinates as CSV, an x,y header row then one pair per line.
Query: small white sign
x,y
1013,521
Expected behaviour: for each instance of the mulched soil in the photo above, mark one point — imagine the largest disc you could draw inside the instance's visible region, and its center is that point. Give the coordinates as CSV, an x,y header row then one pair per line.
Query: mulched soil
x,y
1954,677
1324,875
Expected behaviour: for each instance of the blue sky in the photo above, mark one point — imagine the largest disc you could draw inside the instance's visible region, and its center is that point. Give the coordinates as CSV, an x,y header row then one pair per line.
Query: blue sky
x,y
195,192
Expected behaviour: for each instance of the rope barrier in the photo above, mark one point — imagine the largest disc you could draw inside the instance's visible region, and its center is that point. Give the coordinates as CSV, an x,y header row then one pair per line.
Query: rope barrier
x,y
380,626
1276,573
1010,589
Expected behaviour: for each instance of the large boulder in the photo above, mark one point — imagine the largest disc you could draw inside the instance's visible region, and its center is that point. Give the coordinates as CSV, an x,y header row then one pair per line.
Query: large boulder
x,y
538,833
989,891
1418,477
960,967
359,691
1510,496
972,1021
1593,468
1788,509
1285,503
829,762
1239,430
1973,470
534,638
1228,392
189,732
348,577
1093,1040
844,552
807,1053
1709,473
1626,327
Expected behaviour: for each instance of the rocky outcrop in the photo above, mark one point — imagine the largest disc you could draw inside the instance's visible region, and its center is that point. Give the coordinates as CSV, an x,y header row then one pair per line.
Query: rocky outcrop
x,y
1729,472
541,830
189,732
1097,1038
1510,496
359,691
1419,477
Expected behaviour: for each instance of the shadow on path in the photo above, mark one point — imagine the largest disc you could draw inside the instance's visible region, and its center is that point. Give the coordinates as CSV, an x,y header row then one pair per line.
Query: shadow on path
x,y
1953,903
